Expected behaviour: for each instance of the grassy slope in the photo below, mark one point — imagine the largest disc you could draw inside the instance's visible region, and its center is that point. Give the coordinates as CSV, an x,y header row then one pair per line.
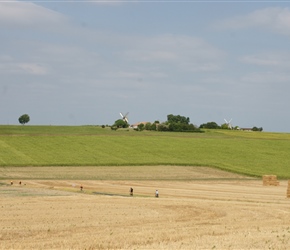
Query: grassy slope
x,y
252,153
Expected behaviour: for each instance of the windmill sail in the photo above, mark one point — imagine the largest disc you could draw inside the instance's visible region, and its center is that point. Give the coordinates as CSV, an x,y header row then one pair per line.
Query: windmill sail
x,y
229,123
125,117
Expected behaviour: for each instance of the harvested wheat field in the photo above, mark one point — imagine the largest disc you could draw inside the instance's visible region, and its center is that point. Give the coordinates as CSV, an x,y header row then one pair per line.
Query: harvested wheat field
x,y
210,209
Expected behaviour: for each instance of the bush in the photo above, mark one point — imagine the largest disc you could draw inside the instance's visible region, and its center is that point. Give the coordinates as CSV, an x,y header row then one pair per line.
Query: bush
x,y
24,119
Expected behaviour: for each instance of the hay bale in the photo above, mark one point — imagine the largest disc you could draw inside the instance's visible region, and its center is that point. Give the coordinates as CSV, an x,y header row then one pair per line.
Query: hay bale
x,y
288,190
270,180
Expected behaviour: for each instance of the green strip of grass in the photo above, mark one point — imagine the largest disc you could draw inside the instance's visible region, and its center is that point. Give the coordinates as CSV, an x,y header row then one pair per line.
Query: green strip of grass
x,y
52,130
241,152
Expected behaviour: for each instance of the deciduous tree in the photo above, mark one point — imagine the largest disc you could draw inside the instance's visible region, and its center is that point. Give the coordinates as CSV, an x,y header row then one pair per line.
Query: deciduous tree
x,y
24,119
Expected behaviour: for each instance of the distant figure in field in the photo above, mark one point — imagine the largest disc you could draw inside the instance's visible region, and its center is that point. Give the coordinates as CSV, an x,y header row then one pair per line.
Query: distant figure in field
x,y
131,191
19,182
81,187
156,193
11,182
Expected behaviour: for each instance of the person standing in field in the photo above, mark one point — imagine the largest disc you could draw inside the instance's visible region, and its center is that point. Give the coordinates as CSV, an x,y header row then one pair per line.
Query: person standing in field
x,y
156,193
131,191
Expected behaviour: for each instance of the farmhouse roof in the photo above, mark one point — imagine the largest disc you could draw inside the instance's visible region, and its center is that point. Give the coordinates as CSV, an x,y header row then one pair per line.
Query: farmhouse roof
x,y
136,124
248,129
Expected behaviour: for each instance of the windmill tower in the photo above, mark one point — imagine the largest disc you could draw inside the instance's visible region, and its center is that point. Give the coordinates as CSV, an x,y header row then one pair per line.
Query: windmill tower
x,y
125,117
229,123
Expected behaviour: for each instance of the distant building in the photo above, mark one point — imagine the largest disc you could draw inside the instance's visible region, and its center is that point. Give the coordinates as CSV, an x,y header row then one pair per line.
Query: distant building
x,y
135,125
246,129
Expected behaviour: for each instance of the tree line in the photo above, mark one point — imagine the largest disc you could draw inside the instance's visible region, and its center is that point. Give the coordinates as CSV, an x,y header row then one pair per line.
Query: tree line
x,y
214,125
176,123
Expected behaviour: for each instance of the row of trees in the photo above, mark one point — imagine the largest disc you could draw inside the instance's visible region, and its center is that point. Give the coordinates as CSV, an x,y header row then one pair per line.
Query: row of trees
x,y
176,123
257,129
214,125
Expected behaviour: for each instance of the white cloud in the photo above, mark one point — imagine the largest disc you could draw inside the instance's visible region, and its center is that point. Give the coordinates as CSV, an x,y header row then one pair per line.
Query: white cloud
x,y
110,2
266,78
126,74
257,60
24,68
32,68
25,14
183,52
276,19
273,59
150,55
41,58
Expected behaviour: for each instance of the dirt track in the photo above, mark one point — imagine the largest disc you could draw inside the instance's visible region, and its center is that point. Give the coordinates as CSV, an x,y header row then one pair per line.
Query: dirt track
x,y
199,214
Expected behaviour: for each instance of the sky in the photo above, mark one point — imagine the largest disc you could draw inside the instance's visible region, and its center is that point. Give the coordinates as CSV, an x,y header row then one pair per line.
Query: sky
x,y
84,62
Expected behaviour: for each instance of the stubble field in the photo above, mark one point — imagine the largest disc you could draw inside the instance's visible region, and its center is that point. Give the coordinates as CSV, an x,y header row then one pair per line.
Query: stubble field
x,y
198,208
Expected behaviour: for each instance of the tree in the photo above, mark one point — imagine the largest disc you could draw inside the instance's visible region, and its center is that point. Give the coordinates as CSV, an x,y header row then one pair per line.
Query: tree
x,y
24,119
121,124
177,119
257,129
225,126
154,126
178,123
148,126
210,125
162,127
141,127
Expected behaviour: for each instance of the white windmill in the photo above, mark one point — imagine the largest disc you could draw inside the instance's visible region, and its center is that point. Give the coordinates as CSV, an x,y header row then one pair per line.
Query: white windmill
x,y
125,117
229,123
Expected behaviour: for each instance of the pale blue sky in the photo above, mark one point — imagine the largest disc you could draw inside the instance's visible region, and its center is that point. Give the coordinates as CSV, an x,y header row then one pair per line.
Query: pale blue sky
x,y
83,62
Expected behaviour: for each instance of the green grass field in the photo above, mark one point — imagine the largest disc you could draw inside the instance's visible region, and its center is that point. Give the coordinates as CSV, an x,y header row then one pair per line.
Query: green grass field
x,y
250,153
